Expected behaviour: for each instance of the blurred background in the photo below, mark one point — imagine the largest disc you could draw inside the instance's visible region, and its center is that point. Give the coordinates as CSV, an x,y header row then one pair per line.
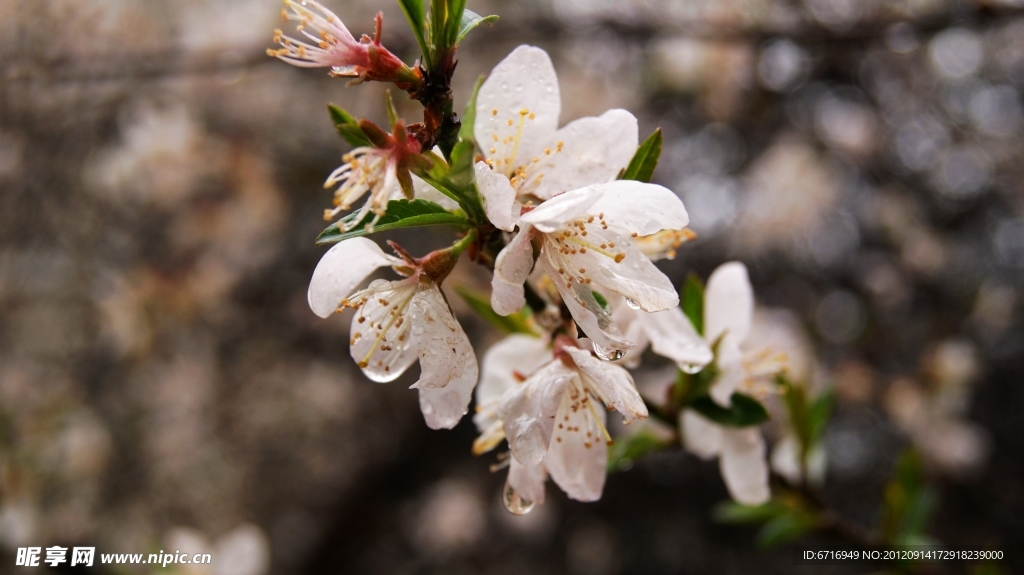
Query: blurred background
x,y
163,384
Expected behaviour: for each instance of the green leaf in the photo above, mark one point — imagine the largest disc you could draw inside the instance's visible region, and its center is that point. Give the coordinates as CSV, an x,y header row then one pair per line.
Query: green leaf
x,y
626,450
456,8
471,20
817,415
457,180
641,167
693,302
400,214
389,103
908,503
785,528
744,411
733,512
348,126
469,115
416,14
518,322
438,23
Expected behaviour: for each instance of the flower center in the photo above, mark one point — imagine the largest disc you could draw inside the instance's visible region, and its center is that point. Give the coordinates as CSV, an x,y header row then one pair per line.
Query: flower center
x,y
386,320
760,368
579,400
366,169
577,238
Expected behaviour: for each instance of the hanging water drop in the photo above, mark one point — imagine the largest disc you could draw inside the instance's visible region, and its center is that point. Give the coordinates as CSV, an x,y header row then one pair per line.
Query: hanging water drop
x,y
632,303
690,368
512,501
608,353
417,330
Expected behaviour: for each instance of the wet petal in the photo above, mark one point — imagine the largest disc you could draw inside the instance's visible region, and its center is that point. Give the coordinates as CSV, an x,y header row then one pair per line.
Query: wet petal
x,y
587,312
525,80
730,373
673,336
743,465
728,303
578,455
499,198
527,480
380,335
701,436
342,268
528,411
593,151
511,269
614,384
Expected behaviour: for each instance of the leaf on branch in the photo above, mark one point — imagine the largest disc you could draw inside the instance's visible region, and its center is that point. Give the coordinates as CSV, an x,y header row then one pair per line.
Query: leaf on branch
x,y
457,180
908,502
469,114
518,322
471,20
744,411
641,167
784,528
733,512
416,13
628,449
348,127
400,214
693,302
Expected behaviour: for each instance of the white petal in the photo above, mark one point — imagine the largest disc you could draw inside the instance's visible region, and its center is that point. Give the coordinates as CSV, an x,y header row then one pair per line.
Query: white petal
x,y
511,268
525,80
786,459
636,207
578,456
528,411
550,215
701,436
730,373
614,384
743,465
448,368
342,268
380,340
593,151
516,354
499,198
527,480
635,332
586,311
673,336
424,191
728,303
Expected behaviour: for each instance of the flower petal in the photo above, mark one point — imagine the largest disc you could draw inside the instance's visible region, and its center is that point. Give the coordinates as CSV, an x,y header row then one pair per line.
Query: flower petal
x,y
592,151
636,207
613,383
527,480
525,80
511,268
342,268
516,354
577,457
586,311
743,465
528,411
626,272
499,198
673,336
785,461
560,209
380,341
448,368
701,436
728,303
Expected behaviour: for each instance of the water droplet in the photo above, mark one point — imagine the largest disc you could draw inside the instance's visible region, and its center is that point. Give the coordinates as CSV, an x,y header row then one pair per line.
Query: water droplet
x,y
417,330
504,86
632,303
549,88
515,504
690,368
608,353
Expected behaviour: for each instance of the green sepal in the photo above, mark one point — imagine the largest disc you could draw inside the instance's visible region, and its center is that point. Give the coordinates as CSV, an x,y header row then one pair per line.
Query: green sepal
x,y
641,167
518,322
348,127
389,103
632,447
471,20
743,412
400,214
692,300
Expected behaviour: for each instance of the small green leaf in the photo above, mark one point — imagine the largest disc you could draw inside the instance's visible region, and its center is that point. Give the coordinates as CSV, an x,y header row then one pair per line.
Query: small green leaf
x,y
461,171
785,528
518,322
471,20
438,26
908,503
416,14
400,214
457,180
733,512
469,115
641,167
744,411
693,302
348,126
389,103
456,8
628,449
817,415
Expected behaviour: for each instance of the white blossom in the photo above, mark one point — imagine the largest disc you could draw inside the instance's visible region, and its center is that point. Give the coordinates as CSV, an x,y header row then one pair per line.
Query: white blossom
x,y
396,323
553,414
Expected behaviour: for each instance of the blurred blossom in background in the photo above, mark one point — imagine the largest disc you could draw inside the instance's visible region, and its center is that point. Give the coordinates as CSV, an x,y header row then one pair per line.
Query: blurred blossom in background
x,y
164,385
